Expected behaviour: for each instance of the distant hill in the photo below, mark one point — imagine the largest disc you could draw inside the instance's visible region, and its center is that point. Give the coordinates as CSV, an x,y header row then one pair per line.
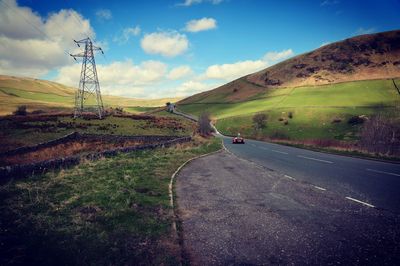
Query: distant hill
x,y
365,57
47,95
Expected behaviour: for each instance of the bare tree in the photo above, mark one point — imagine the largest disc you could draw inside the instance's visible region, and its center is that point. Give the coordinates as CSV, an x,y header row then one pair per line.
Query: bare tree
x,y
21,110
204,124
381,135
259,121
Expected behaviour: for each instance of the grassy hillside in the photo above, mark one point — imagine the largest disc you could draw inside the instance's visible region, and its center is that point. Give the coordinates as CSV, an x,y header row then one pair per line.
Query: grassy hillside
x,y
313,97
318,112
368,94
47,95
366,57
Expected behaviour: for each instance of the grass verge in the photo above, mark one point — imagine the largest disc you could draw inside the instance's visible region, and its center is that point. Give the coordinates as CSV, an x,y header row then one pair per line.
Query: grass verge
x,y
112,211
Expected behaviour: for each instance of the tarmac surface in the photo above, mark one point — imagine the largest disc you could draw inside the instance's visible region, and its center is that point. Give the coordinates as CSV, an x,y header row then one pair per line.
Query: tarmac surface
x,y
373,182
234,212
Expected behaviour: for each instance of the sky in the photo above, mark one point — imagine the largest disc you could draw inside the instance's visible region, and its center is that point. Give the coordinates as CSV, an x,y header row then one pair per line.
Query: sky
x,y
175,48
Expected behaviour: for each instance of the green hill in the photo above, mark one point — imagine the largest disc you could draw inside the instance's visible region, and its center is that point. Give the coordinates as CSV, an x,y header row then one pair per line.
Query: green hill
x,y
46,95
319,107
365,57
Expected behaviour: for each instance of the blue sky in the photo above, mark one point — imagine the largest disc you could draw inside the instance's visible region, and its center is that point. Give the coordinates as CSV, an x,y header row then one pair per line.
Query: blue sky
x,y
170,48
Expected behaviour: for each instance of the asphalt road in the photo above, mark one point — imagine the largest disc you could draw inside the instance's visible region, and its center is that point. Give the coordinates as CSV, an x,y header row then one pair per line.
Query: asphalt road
x,y
372,182
233,212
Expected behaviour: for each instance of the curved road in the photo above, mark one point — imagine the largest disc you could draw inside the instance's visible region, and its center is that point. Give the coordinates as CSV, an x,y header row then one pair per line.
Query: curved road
x,y
371,182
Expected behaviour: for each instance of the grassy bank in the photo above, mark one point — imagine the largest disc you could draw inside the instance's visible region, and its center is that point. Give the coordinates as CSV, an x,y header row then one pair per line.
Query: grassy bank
x,y
112,211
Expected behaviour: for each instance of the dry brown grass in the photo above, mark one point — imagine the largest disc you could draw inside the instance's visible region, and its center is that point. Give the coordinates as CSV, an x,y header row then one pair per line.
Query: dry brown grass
x,y
66,149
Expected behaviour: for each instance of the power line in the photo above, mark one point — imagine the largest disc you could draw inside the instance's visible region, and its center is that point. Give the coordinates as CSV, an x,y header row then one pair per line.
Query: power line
x,y
44,34
80,22
82,25
89,82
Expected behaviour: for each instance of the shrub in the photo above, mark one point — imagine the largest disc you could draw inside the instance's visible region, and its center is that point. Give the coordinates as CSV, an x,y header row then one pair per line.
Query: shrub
x,y
281,119
286,123
119,110
259,121
355,120
380,135
290,115
21,110
336,120
204,124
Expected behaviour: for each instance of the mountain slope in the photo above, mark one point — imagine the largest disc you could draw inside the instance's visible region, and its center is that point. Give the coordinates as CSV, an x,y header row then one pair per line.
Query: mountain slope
x,y
314,97
46,95
365,57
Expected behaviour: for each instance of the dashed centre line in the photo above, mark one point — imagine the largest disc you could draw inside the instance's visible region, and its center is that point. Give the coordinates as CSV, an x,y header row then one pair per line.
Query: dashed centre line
x,y
361,202
382,172
320,188
314,159
281,152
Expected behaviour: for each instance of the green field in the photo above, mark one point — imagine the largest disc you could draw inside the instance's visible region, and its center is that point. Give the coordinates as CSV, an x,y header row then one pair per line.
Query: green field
x,y
314,110
47,96
114,211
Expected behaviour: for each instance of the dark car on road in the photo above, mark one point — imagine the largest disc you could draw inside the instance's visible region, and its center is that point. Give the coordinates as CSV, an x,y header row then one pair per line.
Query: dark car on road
x,y
238,139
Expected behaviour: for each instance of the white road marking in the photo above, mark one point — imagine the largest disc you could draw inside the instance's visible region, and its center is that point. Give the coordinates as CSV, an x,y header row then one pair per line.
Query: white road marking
x,y
279,152
314,159
320,188
362,202
282,152
381,172
288,176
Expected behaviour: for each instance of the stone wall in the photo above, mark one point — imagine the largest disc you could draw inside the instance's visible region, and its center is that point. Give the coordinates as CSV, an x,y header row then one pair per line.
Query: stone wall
x,y
20,171
79,136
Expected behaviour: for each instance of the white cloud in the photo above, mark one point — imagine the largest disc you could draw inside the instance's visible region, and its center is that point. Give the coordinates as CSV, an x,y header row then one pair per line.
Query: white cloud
x,y
167,43
126,34
329,2
180,72
120,77
272,57
361,31
193,2
104,14
191,87
31,45
201,24
235,70
325,43
238,69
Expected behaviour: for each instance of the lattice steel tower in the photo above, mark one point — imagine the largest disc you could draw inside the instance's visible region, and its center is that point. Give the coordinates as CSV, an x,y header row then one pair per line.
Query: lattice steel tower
x,y
89,86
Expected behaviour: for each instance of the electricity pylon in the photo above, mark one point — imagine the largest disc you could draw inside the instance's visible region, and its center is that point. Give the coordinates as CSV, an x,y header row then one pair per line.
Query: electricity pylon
x,y
89,83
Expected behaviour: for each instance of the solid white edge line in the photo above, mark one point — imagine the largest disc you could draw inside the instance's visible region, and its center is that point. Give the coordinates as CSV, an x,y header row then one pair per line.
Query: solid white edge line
x,y
320,188
362,202
314,159
381,172
288,176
